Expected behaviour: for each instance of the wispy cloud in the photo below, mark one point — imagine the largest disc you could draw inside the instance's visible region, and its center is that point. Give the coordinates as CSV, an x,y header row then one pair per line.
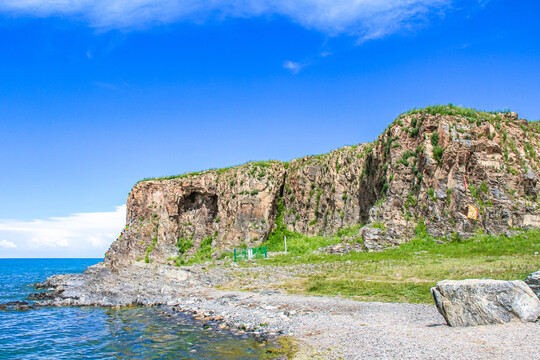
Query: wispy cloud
x,y
294,67
77,235
7,244
367,19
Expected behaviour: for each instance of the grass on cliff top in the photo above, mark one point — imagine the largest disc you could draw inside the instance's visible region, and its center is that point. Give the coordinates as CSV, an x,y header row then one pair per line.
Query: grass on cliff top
x,y
406,273
453,110
260,164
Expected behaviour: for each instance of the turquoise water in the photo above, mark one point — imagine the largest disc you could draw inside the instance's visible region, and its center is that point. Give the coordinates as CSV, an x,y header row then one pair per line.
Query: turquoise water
x,y
101,333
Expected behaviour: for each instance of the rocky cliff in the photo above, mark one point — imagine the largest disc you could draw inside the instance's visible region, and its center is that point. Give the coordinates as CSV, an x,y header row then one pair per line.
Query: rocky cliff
x,y
423,171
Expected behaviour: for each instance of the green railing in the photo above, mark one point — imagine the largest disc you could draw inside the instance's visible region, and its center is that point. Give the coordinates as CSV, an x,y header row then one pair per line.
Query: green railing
x,y
250,253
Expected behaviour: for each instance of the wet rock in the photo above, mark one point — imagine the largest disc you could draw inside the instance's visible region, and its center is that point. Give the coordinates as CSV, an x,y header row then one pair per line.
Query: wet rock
x,y
43,285
481,302
41,296
17,306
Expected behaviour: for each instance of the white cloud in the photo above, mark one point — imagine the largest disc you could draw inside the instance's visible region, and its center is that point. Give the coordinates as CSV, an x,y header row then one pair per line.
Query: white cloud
x,y
368,19
77,235
7,244
294,67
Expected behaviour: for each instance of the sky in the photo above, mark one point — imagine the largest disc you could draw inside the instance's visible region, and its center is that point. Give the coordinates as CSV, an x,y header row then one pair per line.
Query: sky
x,y
98,94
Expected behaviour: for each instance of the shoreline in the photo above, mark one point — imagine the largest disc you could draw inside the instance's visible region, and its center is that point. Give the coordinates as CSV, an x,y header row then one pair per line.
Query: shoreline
x,y
325,327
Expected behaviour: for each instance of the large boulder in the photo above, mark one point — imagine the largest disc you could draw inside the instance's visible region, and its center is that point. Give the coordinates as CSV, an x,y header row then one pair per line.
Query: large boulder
x,y
481,302
533,281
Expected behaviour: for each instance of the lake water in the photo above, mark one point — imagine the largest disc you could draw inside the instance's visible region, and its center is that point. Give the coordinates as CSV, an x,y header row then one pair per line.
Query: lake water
x,y
101,333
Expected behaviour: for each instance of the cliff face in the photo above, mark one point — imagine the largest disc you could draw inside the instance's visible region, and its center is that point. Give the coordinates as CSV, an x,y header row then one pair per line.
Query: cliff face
x,y
427,167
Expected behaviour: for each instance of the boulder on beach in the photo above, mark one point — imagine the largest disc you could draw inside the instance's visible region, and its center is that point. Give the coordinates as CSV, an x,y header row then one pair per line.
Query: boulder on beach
x,y
480,302
533,281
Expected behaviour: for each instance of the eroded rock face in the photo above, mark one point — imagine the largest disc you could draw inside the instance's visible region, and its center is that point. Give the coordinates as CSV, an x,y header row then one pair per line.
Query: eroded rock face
x,y
231,206
533,281
426,168
481,302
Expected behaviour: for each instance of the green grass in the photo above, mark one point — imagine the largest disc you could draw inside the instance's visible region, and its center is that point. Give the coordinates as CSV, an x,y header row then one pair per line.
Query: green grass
x,y
371,290
254,165
149,250
184,245
285,347
434,139
405,273
203,254
298,244
453,110
438,153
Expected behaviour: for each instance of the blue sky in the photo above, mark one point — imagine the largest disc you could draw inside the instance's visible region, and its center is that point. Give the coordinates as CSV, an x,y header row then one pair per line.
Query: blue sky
x,y
95,95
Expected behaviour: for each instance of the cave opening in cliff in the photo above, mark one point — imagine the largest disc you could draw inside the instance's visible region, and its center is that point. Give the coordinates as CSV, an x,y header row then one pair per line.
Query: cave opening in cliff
x,y
198,202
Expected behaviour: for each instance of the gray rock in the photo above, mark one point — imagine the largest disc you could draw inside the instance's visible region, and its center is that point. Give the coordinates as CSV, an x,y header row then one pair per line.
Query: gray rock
x,y
372,237
533,281
511,233
342,248
440,194
481,302
530,175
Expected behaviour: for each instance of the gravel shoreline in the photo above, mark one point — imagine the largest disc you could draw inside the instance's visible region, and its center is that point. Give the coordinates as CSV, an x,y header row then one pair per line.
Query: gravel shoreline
x,y
326,327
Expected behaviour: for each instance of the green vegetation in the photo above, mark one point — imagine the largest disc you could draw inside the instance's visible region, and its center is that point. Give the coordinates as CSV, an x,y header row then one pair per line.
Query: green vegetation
x,y
474,191
149,249
284,348
254,166
484,187
438,153
204,253
407,154
379,225
406,273
183,245
535,125
369,290
431,193
454,111
298,244
435,139
348,231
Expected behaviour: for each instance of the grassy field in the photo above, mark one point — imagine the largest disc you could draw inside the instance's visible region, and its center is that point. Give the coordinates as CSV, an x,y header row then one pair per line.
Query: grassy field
x,y
405,273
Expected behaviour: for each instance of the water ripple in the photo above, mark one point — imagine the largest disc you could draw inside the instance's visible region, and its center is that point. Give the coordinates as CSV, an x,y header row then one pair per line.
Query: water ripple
x,y
101,333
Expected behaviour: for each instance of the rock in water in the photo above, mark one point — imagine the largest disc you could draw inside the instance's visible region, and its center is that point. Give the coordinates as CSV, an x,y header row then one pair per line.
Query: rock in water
x,y
533,281
481,302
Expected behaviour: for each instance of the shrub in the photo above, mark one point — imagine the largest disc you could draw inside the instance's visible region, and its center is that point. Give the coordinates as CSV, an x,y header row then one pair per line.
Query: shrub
x,y
435,139
407,154
183,245
149,250
474,191
414,132
378,225
484,187
438,153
